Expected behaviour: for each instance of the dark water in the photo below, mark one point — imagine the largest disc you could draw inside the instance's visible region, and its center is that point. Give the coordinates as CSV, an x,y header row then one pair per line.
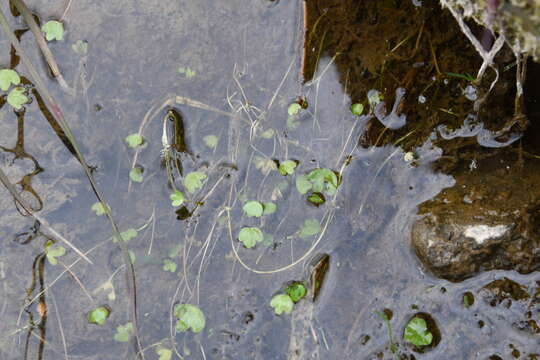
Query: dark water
x,y
245,60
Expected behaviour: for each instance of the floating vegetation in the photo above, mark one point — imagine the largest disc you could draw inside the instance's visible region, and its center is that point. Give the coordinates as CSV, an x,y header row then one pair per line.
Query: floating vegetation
x,y
416,332
53,251
8,77
99,315
189,317
53,30
282,304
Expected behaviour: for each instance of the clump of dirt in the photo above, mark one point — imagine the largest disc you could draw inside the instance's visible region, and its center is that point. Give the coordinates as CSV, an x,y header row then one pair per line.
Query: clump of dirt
x,y
388,44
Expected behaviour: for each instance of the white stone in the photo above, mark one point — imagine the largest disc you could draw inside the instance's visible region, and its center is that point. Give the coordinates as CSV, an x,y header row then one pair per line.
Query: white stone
x,y
481,233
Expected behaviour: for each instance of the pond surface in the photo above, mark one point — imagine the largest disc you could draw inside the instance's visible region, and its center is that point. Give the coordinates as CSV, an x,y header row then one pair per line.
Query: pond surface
x,y
231,69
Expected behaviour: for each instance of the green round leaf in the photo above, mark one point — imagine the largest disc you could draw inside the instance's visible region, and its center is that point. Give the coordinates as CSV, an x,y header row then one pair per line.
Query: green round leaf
x,y
189,316
269,208
282,304
169,265
128,234
99,315
135,174
253,208
293,109
17,97
357,109
303,185
53,251
134,140
177,198
53,30
164,354
193,181
287,167
250,236
296,291
8,77
416,332
98,208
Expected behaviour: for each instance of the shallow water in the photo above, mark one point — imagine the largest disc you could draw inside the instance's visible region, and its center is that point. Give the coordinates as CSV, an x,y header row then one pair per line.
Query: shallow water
x,y
245,61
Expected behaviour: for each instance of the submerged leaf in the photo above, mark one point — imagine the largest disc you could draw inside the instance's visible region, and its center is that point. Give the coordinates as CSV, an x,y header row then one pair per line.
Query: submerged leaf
x,y
80,47
269,208
303,185
282,304
135,174
54,30
211,141
17,97
128,234
253,208
193,181
164,354
189,316
416,332
98,208
311,227
287,167
123,332
134,140
169,265
250,236
7,78
99,315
